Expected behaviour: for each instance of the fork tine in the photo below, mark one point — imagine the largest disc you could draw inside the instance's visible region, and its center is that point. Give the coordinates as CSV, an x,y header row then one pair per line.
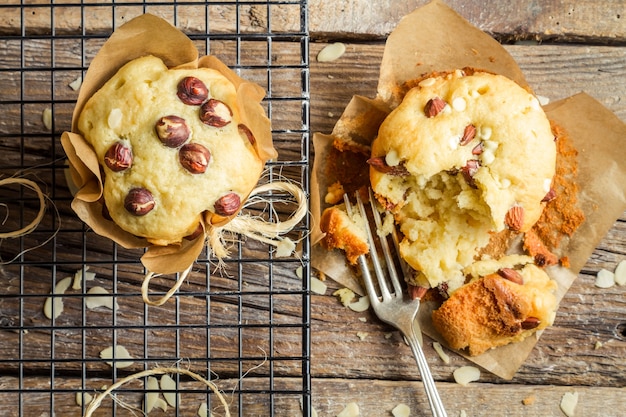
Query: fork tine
x,y
378,270
393,274
363,266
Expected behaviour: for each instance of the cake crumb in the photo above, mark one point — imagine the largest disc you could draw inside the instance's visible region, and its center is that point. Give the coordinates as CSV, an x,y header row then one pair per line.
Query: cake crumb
x,y
530,400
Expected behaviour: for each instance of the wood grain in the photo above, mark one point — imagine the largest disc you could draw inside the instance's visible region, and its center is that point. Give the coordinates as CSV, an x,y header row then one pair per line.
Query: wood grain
x,y
583,352
589,21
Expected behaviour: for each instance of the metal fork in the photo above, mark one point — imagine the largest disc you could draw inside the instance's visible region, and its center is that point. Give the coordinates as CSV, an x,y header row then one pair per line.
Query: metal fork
x,y
393,307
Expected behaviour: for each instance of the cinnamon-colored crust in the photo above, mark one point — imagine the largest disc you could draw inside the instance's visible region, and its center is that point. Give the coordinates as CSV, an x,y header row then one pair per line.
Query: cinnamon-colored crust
x,y
535,247
492,311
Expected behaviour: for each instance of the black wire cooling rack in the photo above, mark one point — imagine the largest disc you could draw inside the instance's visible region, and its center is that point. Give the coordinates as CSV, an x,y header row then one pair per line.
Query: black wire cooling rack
x,y
245,327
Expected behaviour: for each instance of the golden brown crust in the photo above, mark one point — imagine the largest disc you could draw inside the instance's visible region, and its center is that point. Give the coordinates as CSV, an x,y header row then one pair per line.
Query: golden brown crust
x,y
342,233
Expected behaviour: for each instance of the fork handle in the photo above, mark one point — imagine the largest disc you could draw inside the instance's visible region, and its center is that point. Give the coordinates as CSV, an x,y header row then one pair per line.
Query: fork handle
x,y
427,378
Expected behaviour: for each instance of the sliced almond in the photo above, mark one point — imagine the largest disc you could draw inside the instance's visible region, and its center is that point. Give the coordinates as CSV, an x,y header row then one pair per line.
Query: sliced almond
x,y
97,299
345,295
55,305
401,410
78,277
442,354
605,279
569,401
203,411
83,398
120,353
75,85
466,374
151,397
350,410
168,384
620,273
317,286
285,248
331,52
360,305
46,117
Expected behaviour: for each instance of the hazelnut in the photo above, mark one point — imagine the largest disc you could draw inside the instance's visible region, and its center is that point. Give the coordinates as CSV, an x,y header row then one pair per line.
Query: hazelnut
x,y
478,149
434,106
380,164
514,218
118,157
196,233
550,195
215,113
192,91
139,202
194,158
245,131
530,323
511,275
468,134
172,131
227,204
469,170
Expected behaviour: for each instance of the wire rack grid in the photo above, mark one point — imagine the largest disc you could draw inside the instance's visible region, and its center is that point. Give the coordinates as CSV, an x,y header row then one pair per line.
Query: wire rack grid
x,y
245,327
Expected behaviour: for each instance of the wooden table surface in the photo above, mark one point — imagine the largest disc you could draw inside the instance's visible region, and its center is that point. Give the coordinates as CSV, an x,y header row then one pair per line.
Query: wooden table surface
x,y
563,47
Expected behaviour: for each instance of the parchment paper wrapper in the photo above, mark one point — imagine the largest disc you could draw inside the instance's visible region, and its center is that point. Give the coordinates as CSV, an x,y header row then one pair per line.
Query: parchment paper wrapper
x,y
151,35
419,46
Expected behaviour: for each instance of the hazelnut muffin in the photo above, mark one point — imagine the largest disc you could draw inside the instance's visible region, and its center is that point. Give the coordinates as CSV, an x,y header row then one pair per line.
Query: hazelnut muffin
x,y
171,146
466,154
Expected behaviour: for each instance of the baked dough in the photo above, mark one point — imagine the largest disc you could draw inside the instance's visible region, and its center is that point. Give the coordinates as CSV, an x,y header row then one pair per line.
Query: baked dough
x,y
344,232
493,311
168,157
463,156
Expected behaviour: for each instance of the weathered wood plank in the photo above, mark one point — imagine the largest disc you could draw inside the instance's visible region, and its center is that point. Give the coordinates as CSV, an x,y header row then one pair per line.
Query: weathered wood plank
x,y
550,20
553,71
376,397
507,21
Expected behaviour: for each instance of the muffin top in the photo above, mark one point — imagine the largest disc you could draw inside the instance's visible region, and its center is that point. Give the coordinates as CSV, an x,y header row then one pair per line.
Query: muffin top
x,y
172,146
463,155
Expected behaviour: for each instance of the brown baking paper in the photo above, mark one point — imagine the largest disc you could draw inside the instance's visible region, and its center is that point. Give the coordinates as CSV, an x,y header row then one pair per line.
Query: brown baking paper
x,y
150,35
419,46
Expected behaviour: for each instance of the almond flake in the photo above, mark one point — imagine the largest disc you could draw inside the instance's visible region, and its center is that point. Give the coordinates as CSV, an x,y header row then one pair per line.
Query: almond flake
x,y
443,355
168,384
569,401
97,298
120,353
620,273
401,410
78,278
46,117
317,286
605,279
466,374
56,302
361,305
331,52
151,397
350,410
75,85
